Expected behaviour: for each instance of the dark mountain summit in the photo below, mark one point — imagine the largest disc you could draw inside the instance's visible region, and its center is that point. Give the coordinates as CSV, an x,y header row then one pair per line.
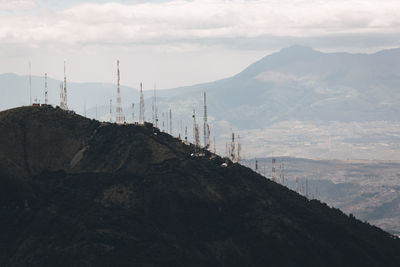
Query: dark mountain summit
x,y
76,192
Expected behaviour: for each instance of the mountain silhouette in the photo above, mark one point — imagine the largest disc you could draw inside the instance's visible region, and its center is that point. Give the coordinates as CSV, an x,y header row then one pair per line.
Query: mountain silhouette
x,y
77,192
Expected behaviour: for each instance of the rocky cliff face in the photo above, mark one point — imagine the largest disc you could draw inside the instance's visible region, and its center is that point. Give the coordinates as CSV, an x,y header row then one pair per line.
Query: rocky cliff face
x,y
76,192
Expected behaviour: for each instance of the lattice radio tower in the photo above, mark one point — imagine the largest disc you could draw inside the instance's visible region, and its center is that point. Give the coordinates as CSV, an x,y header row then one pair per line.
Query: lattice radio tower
x,y
170,122
154,109
133,113
232,150
239,150
45,89
119,116
196,134
30,84
110,110
273,174
163,122
141,112
63,92
65,89
206,129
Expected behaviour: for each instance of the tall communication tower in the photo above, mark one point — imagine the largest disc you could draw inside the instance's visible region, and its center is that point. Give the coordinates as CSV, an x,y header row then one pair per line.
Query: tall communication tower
x,y
205,124
62,96
232,150
163,122
166,122
30,84
141,112
239,150
64,101
110,110
154,108
196,134
119,116
45,89
186,137
273,173
133,113
306,188
170,122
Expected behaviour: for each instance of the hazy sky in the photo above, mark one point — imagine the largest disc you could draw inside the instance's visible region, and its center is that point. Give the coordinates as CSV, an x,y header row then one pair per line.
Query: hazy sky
x,y
181,42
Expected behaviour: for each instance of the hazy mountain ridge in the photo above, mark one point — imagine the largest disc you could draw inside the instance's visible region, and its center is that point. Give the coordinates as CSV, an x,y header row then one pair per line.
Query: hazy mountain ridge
x,y
297,85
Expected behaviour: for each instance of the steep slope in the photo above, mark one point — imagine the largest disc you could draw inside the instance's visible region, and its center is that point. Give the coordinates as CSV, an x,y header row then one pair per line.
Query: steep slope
x,y
125,195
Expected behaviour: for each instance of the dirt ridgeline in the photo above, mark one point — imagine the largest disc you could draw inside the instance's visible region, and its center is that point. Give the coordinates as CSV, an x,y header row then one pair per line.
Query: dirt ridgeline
x,y
77,192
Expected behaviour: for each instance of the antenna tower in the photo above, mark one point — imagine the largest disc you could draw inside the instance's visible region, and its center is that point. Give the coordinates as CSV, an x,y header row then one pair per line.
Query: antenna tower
x,y
273,174
45,89
30,84
119,116
186,138
170,122
205,125
163,124
155,109
307,188
110,110
233,156
65,89
133,113
239,150
141,114
196,134
61,96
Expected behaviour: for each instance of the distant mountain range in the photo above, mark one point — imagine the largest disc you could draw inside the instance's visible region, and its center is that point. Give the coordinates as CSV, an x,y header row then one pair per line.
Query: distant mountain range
x,y
303,84
294,84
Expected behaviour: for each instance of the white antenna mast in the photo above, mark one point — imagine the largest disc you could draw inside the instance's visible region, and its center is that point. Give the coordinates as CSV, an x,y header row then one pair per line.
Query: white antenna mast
x,y
45,89
30,84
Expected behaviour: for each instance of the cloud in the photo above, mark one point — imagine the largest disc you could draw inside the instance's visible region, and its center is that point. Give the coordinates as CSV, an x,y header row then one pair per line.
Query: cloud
x,y
15,5
198,21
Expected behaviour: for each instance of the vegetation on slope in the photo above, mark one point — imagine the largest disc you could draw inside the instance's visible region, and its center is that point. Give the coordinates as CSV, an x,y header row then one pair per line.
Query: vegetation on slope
x,y
75,192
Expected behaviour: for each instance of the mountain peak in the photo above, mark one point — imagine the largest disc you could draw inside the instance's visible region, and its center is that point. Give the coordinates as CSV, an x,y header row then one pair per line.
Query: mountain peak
x,y
298,49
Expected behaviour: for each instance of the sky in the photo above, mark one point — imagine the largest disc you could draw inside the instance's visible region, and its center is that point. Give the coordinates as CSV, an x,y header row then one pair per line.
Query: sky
x,y
177,43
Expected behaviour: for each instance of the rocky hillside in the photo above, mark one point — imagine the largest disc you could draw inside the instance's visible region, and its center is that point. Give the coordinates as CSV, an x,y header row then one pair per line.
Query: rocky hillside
x,y
76,192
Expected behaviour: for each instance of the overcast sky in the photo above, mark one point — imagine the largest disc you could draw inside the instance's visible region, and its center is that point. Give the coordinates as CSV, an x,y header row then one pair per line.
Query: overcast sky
x,y
176,43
